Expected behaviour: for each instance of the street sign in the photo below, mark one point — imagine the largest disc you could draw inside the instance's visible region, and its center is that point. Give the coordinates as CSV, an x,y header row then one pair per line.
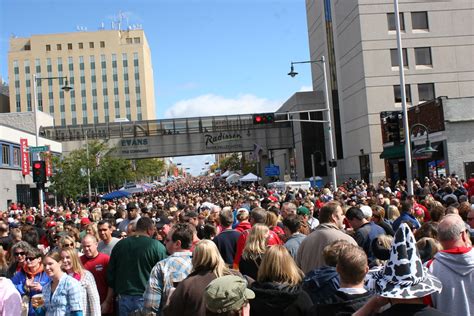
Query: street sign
x,y
272,171
38,149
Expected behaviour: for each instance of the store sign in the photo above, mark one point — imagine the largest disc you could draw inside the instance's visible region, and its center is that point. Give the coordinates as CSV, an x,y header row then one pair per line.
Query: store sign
x,y
25,157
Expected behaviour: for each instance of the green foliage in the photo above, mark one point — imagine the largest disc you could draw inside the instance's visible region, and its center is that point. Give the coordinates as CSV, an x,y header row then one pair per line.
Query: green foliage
x,y
149,168
231,162
107,172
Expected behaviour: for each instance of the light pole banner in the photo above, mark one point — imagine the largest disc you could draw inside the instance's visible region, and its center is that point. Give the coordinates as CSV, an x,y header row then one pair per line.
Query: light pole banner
x,y
25,157
49,165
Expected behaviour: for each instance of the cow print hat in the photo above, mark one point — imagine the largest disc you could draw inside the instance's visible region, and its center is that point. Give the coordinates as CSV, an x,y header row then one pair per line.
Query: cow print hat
x,y
403,275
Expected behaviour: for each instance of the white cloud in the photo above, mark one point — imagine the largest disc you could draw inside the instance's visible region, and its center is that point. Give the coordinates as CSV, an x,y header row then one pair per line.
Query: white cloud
x,y
210,104
306,88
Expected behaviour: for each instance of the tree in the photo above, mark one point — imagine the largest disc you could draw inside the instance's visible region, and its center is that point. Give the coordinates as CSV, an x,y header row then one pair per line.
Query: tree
x,y
146,169
231,162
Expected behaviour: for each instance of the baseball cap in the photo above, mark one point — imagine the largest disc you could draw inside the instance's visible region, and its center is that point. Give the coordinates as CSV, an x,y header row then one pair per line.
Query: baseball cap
x,y
367,210
227,293
162,221
302,210
243,210
85,221
30,219
51,224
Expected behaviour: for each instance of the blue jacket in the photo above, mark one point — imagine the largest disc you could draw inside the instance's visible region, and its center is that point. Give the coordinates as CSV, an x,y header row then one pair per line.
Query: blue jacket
x,y
321,284
405,217
19,280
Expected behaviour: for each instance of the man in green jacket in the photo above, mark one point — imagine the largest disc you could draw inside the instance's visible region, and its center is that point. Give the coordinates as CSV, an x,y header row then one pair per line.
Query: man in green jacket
x,y
130,264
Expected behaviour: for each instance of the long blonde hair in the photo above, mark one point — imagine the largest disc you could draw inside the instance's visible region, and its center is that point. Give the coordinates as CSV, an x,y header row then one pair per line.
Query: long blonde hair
x,y
278,266
256,243
76,262
206,257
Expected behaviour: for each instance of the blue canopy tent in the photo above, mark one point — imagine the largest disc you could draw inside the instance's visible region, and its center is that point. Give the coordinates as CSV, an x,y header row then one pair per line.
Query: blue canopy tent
x,y
115,195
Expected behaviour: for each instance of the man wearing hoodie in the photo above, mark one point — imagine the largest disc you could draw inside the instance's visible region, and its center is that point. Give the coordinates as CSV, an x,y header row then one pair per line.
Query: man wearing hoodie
x,y
352,268
454,266
322,283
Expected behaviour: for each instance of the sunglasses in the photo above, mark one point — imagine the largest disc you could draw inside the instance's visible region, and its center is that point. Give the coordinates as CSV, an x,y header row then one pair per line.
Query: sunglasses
x,y
31,258
68,245
17,254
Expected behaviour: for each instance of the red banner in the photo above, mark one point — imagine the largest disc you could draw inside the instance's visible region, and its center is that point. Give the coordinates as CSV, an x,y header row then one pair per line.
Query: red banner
x,y
25,157
48,163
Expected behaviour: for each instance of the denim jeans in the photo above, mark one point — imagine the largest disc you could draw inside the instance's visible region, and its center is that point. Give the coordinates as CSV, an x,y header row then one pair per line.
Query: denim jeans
x,y
129,303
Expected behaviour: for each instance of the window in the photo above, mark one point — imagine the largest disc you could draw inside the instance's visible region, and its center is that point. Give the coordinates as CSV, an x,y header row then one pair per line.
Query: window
x,y
129,40
394,57
81,45
391,21
58,46
102,44
426,91
16,156
91,44
419,20
69,46
423,56
27,47
5,154
136,40
48,48
398,95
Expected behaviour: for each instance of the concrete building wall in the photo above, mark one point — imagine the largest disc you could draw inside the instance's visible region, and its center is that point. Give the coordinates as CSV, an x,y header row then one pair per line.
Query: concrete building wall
x,y
459,122
68,51
365,75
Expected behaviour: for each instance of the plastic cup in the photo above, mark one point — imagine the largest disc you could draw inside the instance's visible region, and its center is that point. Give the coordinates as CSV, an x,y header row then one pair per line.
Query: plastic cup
x,y
37,300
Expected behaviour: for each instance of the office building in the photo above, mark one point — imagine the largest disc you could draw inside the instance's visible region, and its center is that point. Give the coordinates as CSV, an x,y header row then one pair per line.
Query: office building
x,y
110,72
358,39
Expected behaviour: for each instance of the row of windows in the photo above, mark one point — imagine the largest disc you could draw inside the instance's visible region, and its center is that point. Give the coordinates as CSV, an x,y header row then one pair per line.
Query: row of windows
x,y
419,21
426,92
70,46
422,57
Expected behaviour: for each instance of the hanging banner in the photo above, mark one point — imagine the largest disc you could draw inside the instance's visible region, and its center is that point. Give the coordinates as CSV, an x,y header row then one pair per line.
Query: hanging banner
x,y
48,163
25,157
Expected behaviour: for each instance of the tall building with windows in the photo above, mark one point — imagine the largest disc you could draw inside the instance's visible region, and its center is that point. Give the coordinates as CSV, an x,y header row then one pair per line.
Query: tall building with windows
x,y
110,72
358,39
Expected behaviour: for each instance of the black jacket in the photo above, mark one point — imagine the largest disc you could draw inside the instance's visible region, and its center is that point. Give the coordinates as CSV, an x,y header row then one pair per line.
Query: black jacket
x,y
341,304
278,299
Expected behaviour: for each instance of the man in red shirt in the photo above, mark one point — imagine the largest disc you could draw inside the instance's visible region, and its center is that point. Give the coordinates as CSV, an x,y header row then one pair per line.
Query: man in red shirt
x,y
257,216
96,263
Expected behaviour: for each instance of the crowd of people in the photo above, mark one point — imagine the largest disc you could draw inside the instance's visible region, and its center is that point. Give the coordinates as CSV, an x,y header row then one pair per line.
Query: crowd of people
x,y
201,247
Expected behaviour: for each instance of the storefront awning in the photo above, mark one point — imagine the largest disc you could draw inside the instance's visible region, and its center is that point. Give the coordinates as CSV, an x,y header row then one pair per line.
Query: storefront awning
x,y
393,152
398,151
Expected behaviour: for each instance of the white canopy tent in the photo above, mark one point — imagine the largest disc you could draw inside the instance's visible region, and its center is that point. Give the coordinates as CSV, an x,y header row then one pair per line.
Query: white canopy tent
x,y
233,178
250,177
226,174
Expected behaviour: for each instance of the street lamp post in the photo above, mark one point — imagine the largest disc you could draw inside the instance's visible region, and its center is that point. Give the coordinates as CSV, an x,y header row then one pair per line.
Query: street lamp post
x,y
292,73
406,127
66,88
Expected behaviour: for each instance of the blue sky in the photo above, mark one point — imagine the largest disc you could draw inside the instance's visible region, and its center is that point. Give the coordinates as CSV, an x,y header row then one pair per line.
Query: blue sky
x,y
209,56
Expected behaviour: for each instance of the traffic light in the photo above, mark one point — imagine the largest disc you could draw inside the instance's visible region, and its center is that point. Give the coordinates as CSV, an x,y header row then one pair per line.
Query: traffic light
x,y
39,171
263,118
392,126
